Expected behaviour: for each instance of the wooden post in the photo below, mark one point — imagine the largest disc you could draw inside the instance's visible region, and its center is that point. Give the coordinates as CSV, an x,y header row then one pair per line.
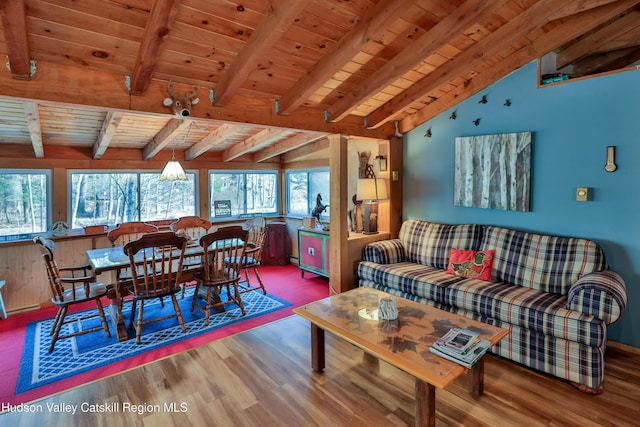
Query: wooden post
x,y
395,185
338,206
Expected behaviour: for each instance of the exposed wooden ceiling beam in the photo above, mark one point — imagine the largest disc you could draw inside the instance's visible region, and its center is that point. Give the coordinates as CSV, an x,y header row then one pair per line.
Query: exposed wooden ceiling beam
x,y
286,145
276,21
593,42
374,23
218,136
630,39
241,148
571,28
108,130
608,61
173,128
35,130
441,33
14,23
510,33
572,7
107,91
623,62
162,16
306,150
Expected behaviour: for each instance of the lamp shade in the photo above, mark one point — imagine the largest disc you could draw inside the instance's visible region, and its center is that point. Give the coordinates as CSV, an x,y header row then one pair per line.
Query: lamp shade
x,y
173,171
371,189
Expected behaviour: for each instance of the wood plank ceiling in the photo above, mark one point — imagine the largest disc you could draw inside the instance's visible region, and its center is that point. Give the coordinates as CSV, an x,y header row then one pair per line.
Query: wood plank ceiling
x,y
275,75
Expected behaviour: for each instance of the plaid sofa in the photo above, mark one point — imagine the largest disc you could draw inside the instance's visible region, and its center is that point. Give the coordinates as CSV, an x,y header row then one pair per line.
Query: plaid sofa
x,y
555,295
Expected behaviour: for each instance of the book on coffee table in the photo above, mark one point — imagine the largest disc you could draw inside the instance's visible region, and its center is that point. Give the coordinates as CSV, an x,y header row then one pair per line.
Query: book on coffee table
x,y
466,359
459,339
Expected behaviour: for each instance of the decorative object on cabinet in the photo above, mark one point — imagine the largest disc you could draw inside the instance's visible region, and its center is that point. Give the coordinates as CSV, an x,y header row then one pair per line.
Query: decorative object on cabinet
x,y
313,251
309,222
317,211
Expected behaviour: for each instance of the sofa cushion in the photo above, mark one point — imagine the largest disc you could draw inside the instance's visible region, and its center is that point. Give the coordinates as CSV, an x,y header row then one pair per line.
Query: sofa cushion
x,y
538,311
476,264
545,263
430,244
409,277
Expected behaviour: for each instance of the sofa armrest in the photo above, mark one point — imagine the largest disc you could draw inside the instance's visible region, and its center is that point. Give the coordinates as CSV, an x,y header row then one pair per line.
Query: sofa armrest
x,y
384,252
602,294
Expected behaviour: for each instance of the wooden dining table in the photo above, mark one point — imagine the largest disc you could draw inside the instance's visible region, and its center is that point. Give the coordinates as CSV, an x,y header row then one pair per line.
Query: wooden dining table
x,y
114,259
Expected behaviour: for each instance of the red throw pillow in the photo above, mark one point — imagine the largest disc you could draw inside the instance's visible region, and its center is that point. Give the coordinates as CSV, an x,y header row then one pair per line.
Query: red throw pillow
x,y
472,264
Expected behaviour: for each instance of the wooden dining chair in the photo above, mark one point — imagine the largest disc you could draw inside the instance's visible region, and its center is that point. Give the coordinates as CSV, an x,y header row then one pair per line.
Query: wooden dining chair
x,y
252,258
69,286
120,236
156,265
227,243
129,231
193,228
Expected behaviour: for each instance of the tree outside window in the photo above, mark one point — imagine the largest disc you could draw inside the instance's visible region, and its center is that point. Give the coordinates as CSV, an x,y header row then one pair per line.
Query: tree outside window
x,y
303,187
113,198
238,193
24,202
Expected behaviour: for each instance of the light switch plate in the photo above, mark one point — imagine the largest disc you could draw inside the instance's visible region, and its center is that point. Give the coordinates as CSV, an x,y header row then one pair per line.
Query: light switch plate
x,y
582,194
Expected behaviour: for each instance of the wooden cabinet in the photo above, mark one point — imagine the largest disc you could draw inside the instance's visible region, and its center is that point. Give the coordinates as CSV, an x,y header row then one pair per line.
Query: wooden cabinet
x,y
275,247
313,251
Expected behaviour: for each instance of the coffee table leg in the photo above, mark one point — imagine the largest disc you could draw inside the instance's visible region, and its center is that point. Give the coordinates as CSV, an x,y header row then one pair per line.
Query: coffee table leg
x,y
475,379
425,404
317,348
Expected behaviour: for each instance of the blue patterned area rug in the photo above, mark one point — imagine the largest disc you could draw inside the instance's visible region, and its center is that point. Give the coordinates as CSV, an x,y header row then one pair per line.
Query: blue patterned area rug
x,y
79,354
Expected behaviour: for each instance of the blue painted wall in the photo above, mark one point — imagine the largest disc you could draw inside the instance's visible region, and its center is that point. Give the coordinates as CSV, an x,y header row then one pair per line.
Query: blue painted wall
x,y
573,123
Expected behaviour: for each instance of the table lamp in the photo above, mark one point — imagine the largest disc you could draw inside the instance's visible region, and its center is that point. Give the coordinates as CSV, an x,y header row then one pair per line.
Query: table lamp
x,y
370,190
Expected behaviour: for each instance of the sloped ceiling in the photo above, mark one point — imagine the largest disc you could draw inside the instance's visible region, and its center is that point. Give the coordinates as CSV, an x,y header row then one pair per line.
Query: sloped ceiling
x,y
275,76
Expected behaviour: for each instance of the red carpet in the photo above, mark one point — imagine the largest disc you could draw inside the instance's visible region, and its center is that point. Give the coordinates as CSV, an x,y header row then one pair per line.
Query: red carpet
x,y
282,282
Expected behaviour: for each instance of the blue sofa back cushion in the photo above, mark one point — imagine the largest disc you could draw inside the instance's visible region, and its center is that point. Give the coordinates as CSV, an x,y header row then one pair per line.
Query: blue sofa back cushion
x,y
545,263
430,244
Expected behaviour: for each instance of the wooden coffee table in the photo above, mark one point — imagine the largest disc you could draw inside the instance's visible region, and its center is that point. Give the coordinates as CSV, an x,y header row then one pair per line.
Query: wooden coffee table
x,y
403,343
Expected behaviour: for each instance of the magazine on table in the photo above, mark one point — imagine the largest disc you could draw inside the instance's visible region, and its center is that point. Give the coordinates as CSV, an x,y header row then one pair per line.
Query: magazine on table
x,y
459,339
461,346
468,359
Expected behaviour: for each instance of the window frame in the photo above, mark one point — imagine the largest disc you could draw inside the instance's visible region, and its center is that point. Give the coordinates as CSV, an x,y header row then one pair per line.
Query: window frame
x,y
138,174
325,216
245,172
48,173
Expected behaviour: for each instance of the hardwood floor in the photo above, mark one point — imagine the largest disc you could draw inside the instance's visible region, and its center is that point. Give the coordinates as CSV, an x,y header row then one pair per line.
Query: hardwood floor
x,y
263,378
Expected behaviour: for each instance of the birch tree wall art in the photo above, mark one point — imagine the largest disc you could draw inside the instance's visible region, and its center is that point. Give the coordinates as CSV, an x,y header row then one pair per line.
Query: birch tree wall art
x,y
493,171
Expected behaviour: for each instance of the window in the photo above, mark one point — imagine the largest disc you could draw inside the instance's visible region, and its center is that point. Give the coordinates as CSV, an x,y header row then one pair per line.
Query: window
x,y
24,201
232,194
303,188
113,198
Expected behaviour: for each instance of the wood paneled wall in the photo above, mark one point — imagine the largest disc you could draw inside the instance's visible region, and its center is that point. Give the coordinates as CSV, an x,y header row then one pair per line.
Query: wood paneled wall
x,y
22,268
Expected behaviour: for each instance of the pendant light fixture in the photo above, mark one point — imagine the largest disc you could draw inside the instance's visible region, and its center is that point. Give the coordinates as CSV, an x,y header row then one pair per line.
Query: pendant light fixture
x,y
173,170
